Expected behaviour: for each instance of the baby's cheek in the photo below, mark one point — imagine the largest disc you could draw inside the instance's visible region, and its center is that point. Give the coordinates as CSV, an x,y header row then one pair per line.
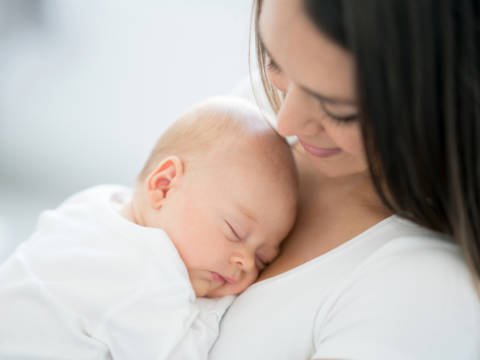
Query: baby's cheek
x,y
246,282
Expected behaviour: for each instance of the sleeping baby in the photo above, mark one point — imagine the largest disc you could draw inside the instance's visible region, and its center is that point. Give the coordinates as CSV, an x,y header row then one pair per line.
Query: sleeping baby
x,y
147,273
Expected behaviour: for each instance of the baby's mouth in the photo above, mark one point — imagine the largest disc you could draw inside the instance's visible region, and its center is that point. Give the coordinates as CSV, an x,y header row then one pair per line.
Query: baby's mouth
x,y
218,278
223,279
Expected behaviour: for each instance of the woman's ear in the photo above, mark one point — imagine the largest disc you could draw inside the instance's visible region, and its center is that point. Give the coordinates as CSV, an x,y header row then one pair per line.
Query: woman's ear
x,y
162,179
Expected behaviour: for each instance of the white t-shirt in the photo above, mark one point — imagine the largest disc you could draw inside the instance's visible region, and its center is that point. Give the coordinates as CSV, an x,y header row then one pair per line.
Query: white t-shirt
x,y
396,291
89,284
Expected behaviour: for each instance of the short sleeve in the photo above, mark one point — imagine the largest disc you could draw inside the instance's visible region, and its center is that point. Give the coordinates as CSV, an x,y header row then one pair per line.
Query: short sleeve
x,y
386,313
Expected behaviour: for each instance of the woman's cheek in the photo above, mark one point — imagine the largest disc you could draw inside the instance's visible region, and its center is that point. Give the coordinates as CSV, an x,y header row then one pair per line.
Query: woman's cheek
x,y
350,140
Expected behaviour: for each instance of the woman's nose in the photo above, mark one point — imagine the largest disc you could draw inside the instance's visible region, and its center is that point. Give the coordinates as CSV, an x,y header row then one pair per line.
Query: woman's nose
x,y
296,115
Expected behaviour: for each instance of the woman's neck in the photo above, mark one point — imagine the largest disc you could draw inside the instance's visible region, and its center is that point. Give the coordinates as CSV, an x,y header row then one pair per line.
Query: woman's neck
x,y
331,212
352,191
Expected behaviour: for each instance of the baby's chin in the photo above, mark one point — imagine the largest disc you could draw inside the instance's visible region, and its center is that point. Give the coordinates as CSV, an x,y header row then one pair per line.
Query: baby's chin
x,y
201,287
208,284
211,289
226,290
221,292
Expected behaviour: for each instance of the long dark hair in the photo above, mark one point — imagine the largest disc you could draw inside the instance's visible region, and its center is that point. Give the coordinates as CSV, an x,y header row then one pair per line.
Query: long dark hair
x,y
418,84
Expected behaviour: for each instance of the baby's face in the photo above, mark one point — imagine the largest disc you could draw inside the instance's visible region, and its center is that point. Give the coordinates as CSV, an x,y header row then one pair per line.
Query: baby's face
x,y
227,221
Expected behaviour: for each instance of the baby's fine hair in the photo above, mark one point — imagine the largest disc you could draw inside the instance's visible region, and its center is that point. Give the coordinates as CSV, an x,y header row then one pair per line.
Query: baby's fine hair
x,y
220,120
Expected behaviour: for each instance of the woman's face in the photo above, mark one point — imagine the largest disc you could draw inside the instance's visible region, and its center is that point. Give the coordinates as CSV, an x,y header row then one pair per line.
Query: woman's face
x,y
316,77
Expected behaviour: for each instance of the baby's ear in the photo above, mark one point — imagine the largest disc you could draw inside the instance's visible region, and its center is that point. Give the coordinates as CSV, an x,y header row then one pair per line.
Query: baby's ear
x,y
162,179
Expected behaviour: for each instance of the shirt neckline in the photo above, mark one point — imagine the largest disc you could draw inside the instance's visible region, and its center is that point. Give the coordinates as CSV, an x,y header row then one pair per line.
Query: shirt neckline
x,y
329,254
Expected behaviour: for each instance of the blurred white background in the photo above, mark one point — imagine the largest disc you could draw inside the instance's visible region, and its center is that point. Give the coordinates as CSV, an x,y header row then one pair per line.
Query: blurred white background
x,y
87,86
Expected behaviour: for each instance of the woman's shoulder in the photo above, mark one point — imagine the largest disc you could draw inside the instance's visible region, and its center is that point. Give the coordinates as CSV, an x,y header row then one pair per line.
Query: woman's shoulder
x,y
395,227
410,245
412,270
413,256
415,289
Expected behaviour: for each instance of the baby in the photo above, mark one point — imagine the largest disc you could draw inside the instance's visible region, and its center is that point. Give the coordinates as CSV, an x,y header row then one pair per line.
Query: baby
x,y
114,273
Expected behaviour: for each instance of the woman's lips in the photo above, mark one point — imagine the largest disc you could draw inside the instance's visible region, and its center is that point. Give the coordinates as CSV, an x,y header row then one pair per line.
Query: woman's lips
x,y
319,152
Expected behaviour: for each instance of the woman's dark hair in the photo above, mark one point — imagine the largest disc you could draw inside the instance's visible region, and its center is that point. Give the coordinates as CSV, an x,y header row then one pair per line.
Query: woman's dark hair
x,y
418,84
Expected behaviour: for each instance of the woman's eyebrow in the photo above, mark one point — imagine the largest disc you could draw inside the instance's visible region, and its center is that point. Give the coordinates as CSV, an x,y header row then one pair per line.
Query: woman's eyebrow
x,y
328,99
323,98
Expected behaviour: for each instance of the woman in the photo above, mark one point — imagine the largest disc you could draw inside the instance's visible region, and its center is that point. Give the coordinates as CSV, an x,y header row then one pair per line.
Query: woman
x,y
383,97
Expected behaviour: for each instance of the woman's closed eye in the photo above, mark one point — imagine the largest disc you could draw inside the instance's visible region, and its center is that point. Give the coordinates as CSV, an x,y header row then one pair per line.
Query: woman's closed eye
x,y
272,65
341,114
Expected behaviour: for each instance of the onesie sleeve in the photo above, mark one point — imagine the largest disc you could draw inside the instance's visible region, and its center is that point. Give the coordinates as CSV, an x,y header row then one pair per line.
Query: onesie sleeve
x,y
147,326
163,327
382,312
200,337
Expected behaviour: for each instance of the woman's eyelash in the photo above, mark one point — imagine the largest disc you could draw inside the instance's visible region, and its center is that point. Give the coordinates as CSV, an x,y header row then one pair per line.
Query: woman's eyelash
x,y
343,119
340,119
272,65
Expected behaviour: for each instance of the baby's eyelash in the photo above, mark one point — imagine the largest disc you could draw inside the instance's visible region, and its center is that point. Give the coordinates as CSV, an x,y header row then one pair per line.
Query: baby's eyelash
x,y
234,233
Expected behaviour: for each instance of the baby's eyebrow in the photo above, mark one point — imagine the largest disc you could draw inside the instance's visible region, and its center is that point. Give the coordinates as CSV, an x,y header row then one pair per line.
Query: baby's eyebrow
x,y
247,213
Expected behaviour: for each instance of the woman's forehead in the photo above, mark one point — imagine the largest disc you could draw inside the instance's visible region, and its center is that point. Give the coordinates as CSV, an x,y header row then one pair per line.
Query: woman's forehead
x,y
303,53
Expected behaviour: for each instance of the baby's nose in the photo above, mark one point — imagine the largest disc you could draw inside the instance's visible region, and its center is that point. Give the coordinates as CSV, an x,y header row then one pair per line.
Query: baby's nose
x,y
245,261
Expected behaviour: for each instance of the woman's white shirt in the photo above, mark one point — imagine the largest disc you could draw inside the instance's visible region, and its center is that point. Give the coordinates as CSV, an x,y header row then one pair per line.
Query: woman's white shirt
x,y
396,291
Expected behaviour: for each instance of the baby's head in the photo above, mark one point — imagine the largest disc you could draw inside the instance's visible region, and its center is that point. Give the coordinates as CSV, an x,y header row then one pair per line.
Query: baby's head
x,y
222,184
